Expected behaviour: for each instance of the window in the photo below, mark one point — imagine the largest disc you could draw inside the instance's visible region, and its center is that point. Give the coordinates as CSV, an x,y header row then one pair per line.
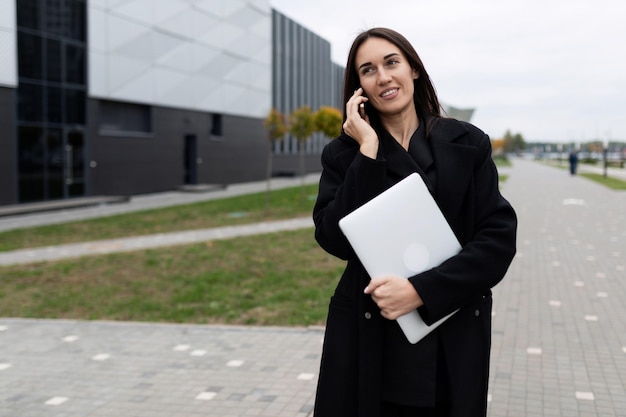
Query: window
x,y
117,118
75,59
31,164
75,27
29,55
29,102
28,14
216,125
54,104
51,98
54,60
75,106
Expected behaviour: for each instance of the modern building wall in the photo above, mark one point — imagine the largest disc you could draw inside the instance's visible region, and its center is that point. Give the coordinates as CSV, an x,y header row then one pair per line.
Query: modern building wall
x,y
132,162
457,113
8,82
8,44
337,87
304,75
50,99
212,56
8,151
102,97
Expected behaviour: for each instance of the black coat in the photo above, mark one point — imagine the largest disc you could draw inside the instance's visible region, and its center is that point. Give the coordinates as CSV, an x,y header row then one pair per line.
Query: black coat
x,y
483,221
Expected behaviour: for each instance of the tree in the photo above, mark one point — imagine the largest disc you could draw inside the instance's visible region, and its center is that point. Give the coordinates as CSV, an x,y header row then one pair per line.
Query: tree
x,y
513,142
276,128
328,120
302,126
497,146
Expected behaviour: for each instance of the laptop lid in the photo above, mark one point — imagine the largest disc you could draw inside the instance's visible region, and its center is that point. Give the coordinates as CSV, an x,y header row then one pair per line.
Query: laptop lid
x,y
401,232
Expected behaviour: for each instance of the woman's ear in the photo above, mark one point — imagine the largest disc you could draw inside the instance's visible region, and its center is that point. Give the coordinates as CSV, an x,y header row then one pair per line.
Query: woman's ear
x,y
416,74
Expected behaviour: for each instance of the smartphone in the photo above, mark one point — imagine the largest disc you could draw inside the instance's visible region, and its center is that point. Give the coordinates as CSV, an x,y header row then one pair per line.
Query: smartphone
x,y
362,105
362,110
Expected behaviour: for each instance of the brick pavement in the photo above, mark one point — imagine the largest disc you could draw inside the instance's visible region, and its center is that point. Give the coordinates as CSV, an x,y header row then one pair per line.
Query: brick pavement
x,y
559,325
559,334
106,369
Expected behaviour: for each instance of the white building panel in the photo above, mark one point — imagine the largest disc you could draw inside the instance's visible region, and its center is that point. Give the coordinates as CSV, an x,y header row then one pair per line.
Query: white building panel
x,y
98,74
225,95
123,70
138,87
8,44
263,55
205,55
220,8
200,23
7,14
103,4
97,30
262,29
174,87
249,101
142,48
119,31
179,59
166,10
246,46
180,24
141,11
222,35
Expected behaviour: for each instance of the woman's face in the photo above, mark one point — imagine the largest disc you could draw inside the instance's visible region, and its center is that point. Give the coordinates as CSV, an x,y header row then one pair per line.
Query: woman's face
x,y
386,76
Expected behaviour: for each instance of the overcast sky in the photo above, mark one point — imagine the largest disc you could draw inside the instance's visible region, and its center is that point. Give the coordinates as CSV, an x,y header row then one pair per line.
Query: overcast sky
x,y
548,69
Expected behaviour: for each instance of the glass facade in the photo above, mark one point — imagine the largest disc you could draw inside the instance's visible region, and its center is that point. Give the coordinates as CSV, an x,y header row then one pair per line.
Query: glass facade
x,y
51,98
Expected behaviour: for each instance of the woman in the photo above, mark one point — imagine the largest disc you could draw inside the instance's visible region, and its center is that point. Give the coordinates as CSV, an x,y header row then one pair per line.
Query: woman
x,y
368,368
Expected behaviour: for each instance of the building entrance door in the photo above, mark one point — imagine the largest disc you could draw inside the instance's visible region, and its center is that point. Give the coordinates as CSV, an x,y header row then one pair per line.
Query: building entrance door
x,y
65,168
74,176
191,160
51,164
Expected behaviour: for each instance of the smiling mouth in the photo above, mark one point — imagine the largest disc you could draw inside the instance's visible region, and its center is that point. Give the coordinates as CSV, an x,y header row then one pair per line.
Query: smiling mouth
x,y
389,92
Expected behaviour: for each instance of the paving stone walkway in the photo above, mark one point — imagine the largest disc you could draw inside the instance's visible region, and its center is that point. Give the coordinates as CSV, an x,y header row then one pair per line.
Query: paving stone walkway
x,y
559,334
559,325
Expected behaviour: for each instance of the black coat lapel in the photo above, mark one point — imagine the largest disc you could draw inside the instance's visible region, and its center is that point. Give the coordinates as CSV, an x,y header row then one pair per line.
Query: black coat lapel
x,y
454,161
399,163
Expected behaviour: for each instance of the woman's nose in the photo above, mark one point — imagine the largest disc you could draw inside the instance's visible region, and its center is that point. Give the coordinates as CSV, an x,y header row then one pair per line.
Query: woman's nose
x,y
383,77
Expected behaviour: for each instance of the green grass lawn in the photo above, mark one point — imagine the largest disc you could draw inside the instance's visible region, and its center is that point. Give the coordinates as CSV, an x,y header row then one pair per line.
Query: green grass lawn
x,y
284,203
611,182
272,279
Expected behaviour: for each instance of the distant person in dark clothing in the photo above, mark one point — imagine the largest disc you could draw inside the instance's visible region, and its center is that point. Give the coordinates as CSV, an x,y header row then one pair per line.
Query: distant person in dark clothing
x,y
573,162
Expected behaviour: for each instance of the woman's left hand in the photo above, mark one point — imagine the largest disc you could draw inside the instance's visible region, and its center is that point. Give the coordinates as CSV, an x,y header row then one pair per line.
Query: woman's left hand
x,y
394,296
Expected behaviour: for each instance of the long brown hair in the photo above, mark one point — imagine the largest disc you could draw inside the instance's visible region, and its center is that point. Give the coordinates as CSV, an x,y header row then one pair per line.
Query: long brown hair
x,y
425,97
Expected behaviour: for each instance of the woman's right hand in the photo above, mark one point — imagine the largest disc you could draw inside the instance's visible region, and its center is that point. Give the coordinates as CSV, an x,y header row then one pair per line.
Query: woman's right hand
x,y
359,128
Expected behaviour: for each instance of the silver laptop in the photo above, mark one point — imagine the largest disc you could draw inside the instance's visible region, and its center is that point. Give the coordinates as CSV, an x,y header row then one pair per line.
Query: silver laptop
x,y
402,232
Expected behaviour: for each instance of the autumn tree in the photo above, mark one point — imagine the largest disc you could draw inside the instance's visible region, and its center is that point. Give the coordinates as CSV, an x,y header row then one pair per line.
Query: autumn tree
x,y
302,126
328,120
276,128
497,146
513,142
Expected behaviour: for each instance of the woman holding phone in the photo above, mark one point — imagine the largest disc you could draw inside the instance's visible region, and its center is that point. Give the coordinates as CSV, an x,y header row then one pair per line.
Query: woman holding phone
x,y
392,128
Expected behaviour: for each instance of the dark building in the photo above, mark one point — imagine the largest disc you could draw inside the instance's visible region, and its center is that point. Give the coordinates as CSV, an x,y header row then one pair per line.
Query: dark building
x,y
143,96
